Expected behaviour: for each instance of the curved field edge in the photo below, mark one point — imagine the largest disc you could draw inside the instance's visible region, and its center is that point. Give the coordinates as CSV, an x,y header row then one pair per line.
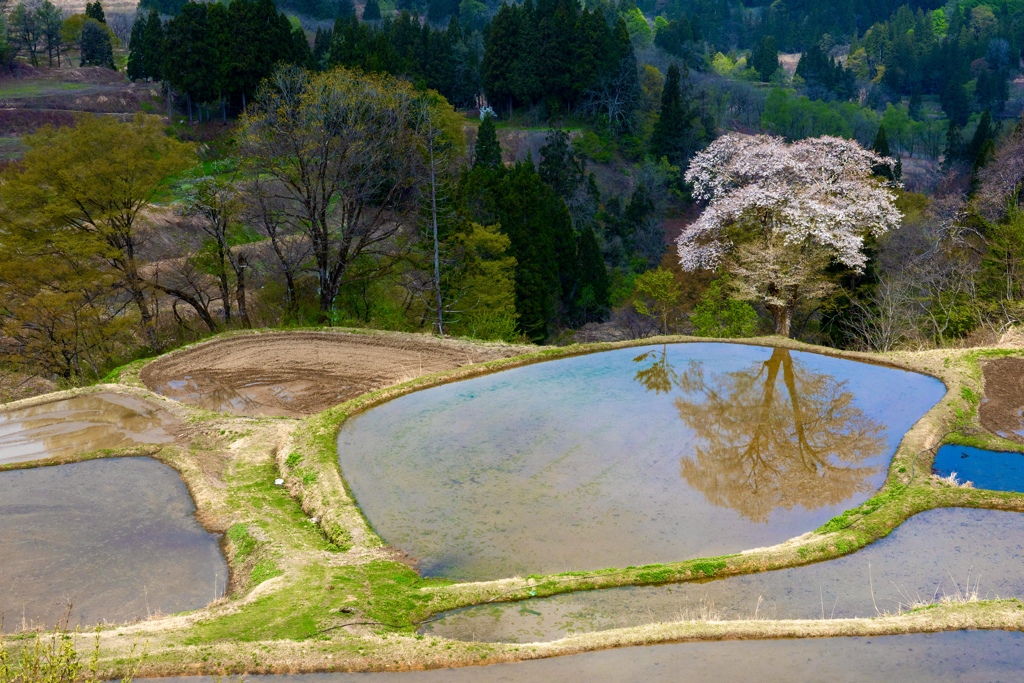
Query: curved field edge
x,y
313,476
314,588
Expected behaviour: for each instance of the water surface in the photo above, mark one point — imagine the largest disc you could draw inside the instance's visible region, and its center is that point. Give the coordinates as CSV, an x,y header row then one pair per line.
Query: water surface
x,y
115,537
995,470
79,425
939,554
953,657
627,457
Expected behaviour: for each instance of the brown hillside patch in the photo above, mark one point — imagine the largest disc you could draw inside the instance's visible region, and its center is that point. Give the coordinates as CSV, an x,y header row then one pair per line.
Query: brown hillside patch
x,y
291,374
1002,408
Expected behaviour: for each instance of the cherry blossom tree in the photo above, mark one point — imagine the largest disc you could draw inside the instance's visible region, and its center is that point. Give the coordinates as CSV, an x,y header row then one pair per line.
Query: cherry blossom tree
x,y
778,214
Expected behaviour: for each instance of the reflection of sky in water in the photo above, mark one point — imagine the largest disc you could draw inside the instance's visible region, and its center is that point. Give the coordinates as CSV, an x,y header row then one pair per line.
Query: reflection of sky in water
x,y
994,470
117,537
931,555
574,464
952,657
78,425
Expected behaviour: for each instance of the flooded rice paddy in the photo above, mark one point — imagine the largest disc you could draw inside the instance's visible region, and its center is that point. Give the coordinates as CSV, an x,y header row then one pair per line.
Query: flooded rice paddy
x,y
116,538
627,457
953,657
995,470
79,425
936,555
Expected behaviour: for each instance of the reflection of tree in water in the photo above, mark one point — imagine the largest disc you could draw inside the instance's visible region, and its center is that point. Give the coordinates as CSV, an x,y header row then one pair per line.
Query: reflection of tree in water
x,y
760,446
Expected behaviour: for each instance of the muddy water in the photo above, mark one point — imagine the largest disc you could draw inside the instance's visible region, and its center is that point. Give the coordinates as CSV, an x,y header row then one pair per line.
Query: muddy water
x,y
947,553
955,657
115,537
80,424
627,457
261,396
995,470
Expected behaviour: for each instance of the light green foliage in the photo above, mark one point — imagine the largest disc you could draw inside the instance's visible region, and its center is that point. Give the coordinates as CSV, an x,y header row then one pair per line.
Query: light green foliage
x,y
939,23
484,284
657,294
717,315
797,117
595,147
54,658
640,32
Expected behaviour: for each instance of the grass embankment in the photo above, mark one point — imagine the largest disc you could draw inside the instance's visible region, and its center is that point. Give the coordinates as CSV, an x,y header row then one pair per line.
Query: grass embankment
x,y
314,588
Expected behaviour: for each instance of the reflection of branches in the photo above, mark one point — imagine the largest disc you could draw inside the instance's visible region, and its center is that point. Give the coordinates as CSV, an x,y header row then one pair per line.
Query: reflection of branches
x,y
660,376
757,451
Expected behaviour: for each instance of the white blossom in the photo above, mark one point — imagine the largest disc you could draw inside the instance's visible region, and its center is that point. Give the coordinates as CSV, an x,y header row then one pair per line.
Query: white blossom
x,y
819,191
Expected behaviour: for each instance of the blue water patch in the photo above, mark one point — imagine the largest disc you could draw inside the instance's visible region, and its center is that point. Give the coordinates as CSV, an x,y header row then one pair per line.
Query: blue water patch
x,y
994,470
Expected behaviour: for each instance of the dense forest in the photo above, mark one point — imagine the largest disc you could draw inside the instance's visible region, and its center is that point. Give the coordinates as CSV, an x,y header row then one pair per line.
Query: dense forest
x,y
509,171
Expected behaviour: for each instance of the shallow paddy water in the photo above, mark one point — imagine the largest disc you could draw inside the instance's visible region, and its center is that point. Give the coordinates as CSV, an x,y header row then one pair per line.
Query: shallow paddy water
x,y
952,657
944,553
627,457
995,470
79,425
115,537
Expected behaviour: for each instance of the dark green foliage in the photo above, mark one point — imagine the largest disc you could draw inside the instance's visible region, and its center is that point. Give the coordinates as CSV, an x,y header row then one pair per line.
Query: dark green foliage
x,y
981,145
765,58
881,148
679,131
94,10
557,53
169,7
488,151
440,10
559,276
211,52
401,46
560,168
146,47
824,77
96,47
371,11
681,39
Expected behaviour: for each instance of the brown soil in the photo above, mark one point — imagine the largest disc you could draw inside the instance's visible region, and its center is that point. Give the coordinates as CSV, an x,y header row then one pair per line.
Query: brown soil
x,y
1002,408
291,374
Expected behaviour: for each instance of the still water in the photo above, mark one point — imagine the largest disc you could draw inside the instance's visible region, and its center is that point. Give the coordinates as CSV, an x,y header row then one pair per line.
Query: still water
x,y
995,470
117,538
936,555
627,457
954,657
79,425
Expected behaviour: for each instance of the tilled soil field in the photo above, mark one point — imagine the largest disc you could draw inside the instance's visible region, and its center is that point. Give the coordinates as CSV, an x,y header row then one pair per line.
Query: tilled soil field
x,y
1002,408
291,374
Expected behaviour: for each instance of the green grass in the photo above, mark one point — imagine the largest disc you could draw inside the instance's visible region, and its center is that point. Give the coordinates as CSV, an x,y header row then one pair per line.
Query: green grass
x,y
12,90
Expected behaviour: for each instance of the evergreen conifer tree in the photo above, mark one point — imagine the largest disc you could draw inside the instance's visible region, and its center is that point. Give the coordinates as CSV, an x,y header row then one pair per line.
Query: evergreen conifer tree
x,y
669,128
94,10
765,58
371,12
881,148
488,150
136,48
96,47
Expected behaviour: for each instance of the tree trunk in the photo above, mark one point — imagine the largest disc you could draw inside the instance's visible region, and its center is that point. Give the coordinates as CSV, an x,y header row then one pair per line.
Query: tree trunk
x,y
783,316
240,266
188,102
437,249
191,301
